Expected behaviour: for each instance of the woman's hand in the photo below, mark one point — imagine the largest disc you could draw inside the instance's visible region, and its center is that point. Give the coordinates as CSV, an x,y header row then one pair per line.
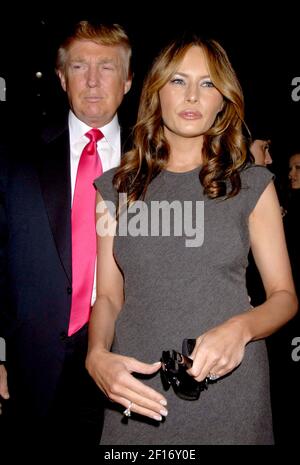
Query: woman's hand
x,y
3,385
219,350
112,373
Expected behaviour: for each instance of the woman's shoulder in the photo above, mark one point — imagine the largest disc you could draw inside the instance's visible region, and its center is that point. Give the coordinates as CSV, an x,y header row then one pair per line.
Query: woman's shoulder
x,y
255,176
104,184
254,180
106,177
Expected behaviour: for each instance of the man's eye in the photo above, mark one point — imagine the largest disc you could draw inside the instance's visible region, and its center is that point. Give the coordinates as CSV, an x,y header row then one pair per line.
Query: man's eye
x,y
77,66
108,66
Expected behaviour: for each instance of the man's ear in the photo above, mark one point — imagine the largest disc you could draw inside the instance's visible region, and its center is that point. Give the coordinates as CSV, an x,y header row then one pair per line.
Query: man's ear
x,y
62,79
127,86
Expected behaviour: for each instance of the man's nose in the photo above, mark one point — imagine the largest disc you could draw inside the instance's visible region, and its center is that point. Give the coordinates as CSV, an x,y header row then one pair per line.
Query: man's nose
x,y
269,159
92,76
291,173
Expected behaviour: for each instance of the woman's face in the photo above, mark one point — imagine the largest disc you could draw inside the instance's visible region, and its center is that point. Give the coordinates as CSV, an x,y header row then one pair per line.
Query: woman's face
x,y
294,171
189,101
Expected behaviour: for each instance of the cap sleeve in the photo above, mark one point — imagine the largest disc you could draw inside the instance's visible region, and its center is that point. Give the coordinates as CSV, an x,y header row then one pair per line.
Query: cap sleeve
x,y
104,185
255,179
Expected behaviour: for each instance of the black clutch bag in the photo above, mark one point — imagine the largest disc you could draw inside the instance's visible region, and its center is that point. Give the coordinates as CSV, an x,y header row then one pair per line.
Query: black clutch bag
x,y
173,372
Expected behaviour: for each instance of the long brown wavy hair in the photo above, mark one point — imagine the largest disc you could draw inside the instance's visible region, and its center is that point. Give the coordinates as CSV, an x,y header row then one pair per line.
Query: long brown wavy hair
x,y
224,149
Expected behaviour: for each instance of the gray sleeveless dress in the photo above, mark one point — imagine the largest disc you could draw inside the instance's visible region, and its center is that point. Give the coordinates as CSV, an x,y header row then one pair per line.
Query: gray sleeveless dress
x,y
173,292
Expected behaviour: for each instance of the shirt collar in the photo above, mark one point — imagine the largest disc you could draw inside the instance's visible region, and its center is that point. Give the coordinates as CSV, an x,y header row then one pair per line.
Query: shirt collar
x,y
78,128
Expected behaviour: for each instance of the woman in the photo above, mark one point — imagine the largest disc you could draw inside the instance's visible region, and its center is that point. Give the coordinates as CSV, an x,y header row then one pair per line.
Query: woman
x,y
156,289
291,219
283,345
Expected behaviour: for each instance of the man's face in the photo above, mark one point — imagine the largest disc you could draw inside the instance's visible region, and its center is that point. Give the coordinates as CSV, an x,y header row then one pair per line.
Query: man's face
x,y
95,80
260,149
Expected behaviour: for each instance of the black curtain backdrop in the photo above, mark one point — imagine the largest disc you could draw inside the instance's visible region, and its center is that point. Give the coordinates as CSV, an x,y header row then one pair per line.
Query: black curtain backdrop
x,y
262,45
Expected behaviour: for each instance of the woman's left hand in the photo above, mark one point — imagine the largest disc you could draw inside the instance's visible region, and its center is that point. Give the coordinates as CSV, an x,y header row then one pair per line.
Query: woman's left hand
x,y
219,350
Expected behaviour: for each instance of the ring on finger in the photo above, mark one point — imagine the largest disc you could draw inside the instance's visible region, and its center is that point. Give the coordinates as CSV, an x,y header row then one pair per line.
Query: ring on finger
x,y
127,411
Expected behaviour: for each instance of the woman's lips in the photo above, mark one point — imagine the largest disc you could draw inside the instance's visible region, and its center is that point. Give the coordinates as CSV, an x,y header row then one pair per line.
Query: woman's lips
x,y
189,114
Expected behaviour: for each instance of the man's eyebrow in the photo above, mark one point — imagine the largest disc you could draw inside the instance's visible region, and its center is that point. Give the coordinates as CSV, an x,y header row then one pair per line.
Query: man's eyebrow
x,y
76,59
84,60
101,61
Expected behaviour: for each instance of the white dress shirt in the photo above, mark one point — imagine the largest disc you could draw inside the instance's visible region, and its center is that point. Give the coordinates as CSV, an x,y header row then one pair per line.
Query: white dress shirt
x,y
109,149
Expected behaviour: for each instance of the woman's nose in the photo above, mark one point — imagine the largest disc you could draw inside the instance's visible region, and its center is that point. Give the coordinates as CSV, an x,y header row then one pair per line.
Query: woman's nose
x,y
192,94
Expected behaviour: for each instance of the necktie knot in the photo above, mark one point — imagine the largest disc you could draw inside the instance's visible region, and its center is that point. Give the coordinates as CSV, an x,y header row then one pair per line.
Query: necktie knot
x,y
94,135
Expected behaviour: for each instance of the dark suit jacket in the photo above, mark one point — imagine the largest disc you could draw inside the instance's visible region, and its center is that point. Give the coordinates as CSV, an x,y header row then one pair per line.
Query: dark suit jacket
x,y
37,277
36,264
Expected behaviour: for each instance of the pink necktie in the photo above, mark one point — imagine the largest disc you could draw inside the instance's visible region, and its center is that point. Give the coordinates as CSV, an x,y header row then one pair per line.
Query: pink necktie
x,y
84,232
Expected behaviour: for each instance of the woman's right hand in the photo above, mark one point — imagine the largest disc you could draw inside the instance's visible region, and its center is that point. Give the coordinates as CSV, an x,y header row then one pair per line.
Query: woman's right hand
x,y
113,374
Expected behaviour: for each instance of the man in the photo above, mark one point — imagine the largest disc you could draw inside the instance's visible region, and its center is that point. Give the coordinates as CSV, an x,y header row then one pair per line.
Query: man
x,y
50,248
259,146
260,150
259,140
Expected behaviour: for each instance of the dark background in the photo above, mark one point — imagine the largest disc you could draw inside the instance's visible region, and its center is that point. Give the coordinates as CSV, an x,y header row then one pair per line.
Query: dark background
x,y
263,45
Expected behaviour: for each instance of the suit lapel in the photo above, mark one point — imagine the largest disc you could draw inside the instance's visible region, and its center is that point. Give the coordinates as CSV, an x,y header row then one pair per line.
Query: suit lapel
x,y
55,180
54,172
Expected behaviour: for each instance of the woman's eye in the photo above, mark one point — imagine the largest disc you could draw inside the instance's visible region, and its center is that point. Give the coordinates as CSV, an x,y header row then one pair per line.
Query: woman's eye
x,y
177,81
207,84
